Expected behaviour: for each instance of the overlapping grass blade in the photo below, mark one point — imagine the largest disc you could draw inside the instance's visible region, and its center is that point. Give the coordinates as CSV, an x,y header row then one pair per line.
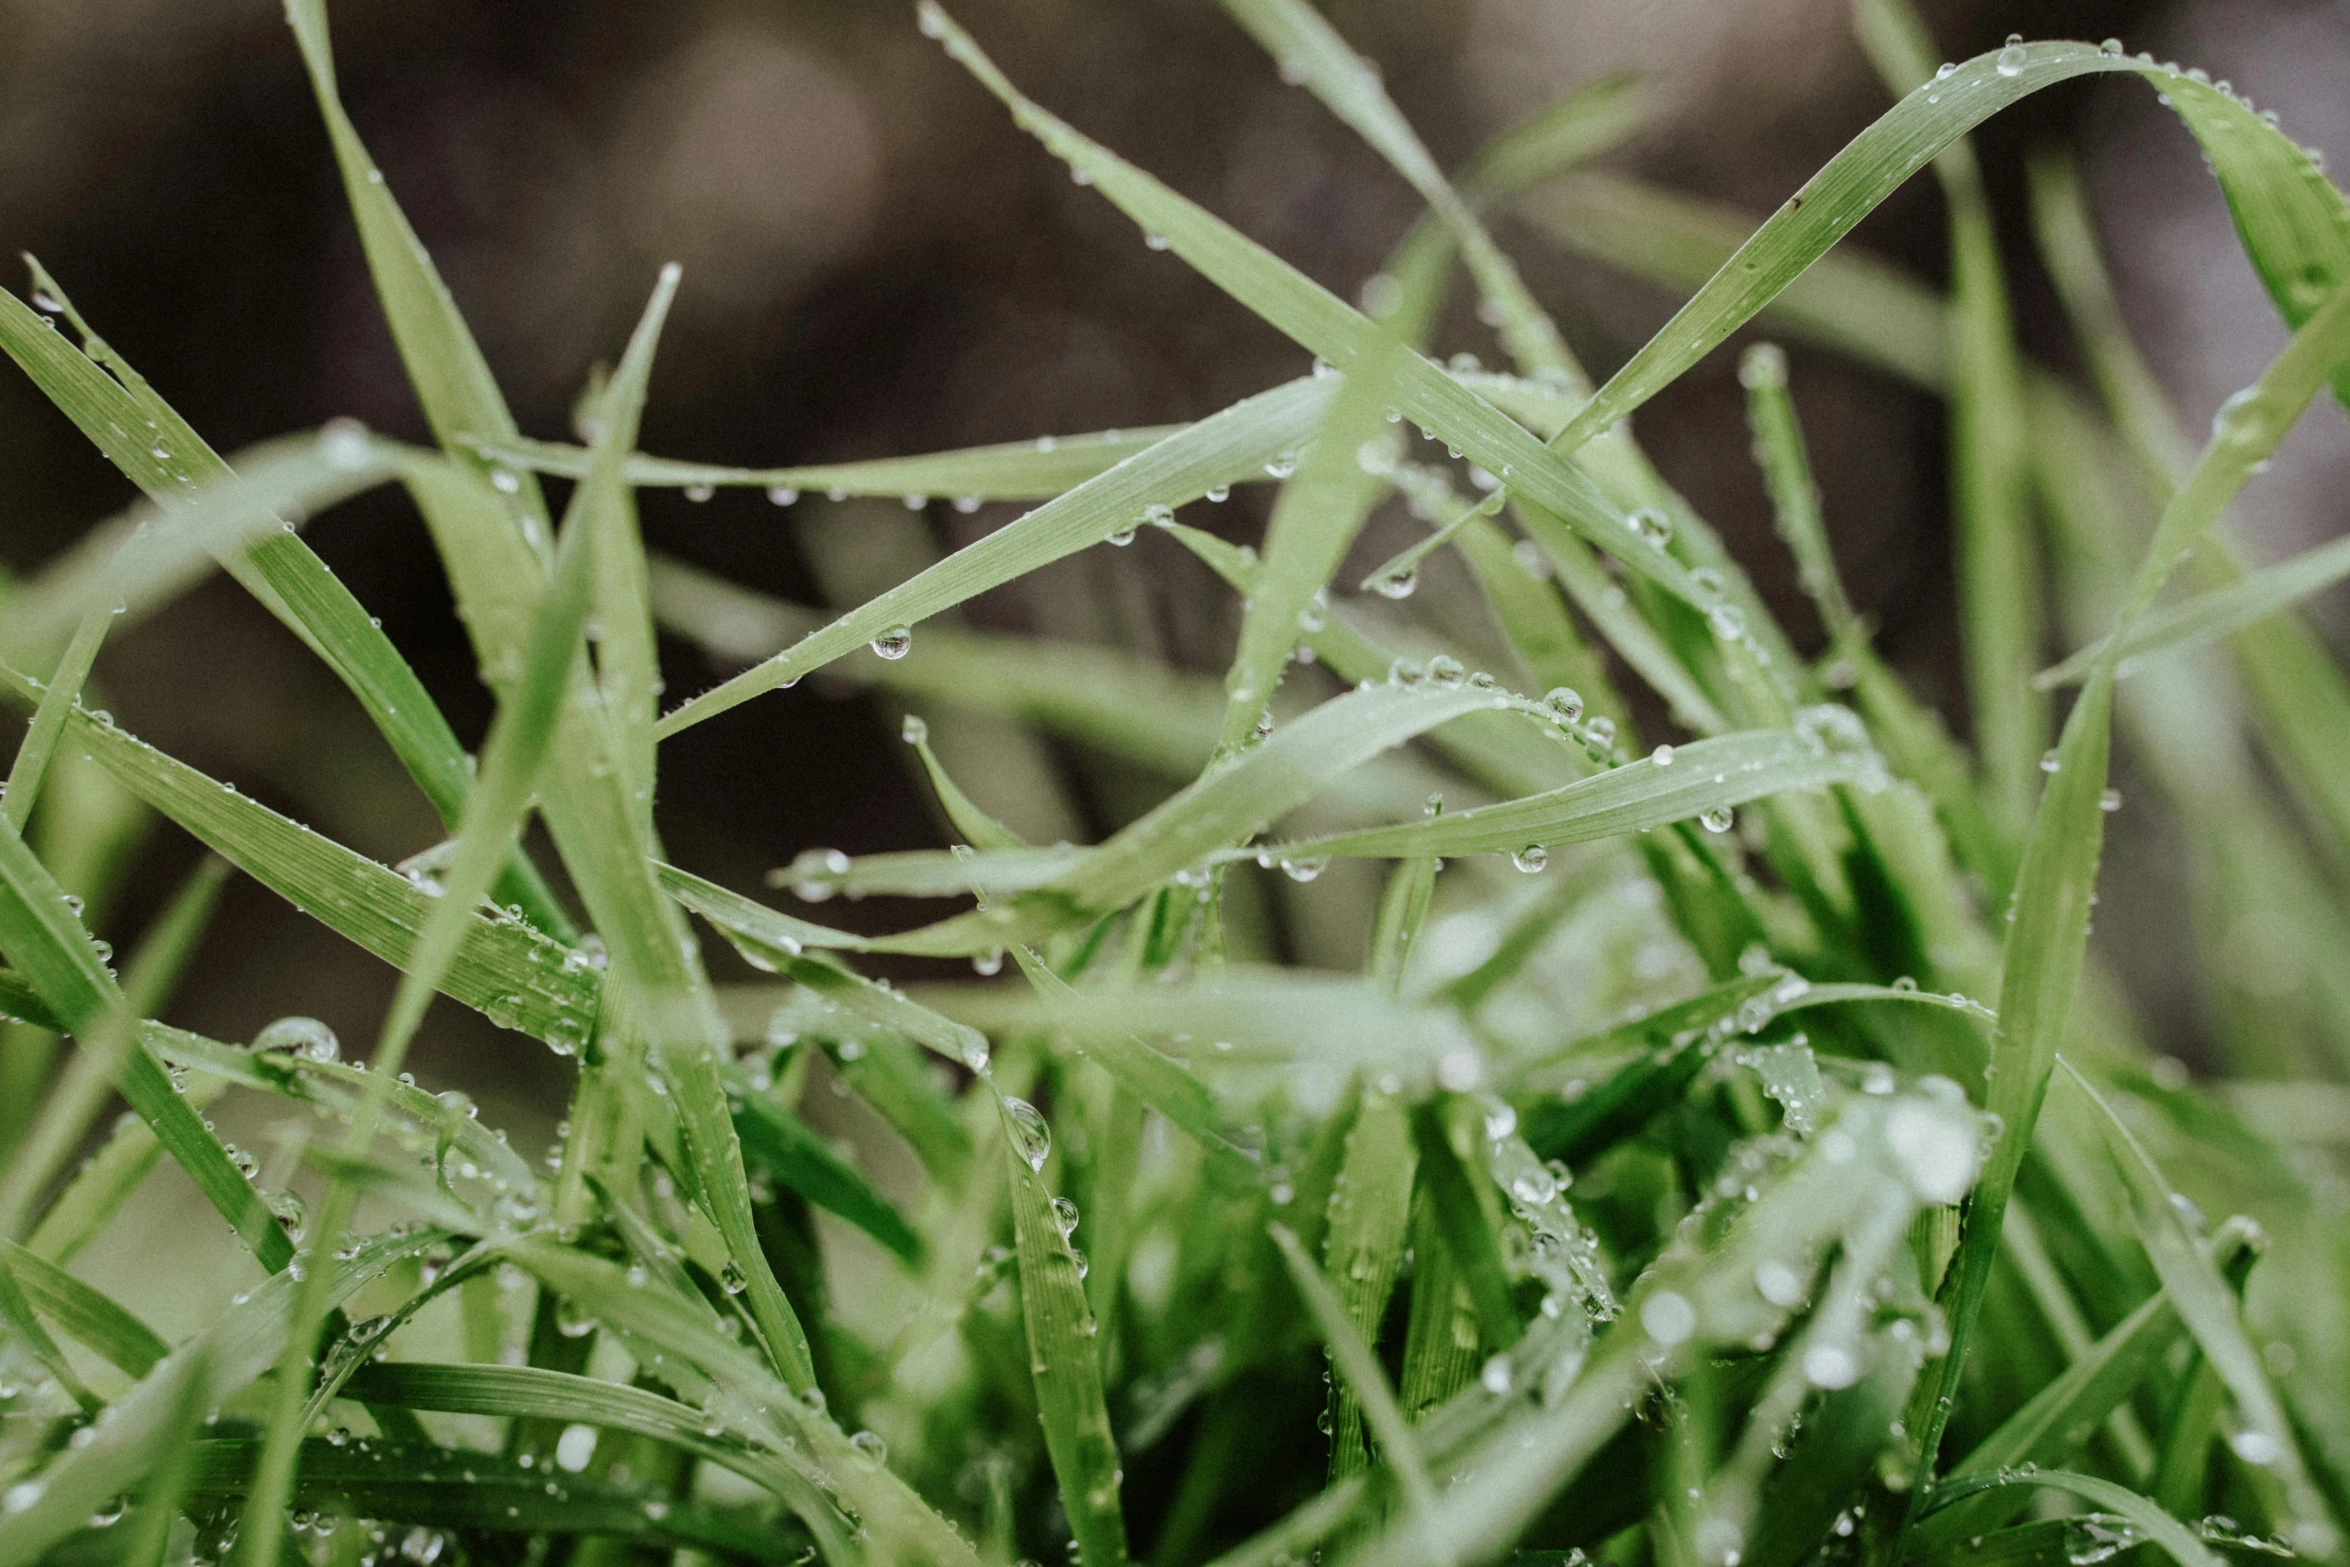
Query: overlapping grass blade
x,y
2056,882
2151,1521
1332,329
84,1314
225,1358
2293,223
1216,451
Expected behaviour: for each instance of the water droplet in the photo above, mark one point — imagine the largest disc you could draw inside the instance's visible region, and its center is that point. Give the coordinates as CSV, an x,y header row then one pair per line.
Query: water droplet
x,y
1219,493
292,1217
1668,1318
1565,703
732,1279
1719,819
1397,584
1122,537
344,444
2011,58
1652,525
2110,48
2050,761
1304,869
1830,1366
782,495
1531,859
20,1496
914,730
1935,1148
1445,670
1064,1216
1405,672
1534,1186
1030,1135
2110,800
1495,1377
2257,1448
698,493
895,643
1779,1284
299,1036
872,1452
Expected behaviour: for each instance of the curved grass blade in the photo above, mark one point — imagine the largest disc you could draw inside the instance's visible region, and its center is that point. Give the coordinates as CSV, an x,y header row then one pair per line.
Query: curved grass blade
x,y
977,827
532,1392
2056,881
221,1361
1216,451
1332,329
2210,617
1160,718
84,1314
2149,1520
509,971
1866,309
1013,471
748,1399
789,1150
1675,783
165,457
485,1492
2192,1281
2293,222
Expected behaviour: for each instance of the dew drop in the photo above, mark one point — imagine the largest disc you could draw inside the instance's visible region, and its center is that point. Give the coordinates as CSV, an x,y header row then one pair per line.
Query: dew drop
x,y
1531,859
299,1036
1030,1135
895,643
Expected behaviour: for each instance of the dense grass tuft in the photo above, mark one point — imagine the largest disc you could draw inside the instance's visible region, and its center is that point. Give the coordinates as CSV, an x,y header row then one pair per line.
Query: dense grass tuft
x,y
1731,1151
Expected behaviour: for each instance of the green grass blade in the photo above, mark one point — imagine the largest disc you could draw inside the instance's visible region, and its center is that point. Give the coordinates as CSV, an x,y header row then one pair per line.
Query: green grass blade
x,y
39,931
2209,617
1673,784
84,1314
445,365
1214,452
2056,882
64,689
165,457
1014,471
979,829
224,1359
2151,1521
1063,1363
1370,1212
2293,222
1795,498
2193,1283
508,971
786,1148
1332,329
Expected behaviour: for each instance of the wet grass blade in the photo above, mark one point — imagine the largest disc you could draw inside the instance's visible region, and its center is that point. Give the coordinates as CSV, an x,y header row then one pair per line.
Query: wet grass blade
x,y
2151,1521
1014,471
1337,332
2210,617
1063,1363
84,1314
1795,497
2292,221
1214,452
1370,1211
1673,784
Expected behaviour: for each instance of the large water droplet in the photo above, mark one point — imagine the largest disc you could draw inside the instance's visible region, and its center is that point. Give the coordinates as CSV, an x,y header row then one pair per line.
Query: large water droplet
x,y
2011,58
894,643
1030,1135
299,1036
1531,859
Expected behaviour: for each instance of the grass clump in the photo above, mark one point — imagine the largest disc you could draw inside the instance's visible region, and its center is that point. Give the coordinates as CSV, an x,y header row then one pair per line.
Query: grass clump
x,y
1761,1169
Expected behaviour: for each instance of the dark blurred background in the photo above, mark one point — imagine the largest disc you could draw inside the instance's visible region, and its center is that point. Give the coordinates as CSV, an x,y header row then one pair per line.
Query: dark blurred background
x,y
876,262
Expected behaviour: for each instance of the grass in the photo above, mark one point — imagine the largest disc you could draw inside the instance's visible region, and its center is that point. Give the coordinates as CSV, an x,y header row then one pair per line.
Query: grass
x,y
1731,1152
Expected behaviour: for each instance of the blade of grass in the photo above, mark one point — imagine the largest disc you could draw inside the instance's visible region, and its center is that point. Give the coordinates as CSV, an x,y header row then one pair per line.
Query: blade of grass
x,y
2149,1520
2049,937
1999,590
1183,467
1368,1382
1319,321
84,1314
1014,471
1370,1212
2215,615
2294,223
